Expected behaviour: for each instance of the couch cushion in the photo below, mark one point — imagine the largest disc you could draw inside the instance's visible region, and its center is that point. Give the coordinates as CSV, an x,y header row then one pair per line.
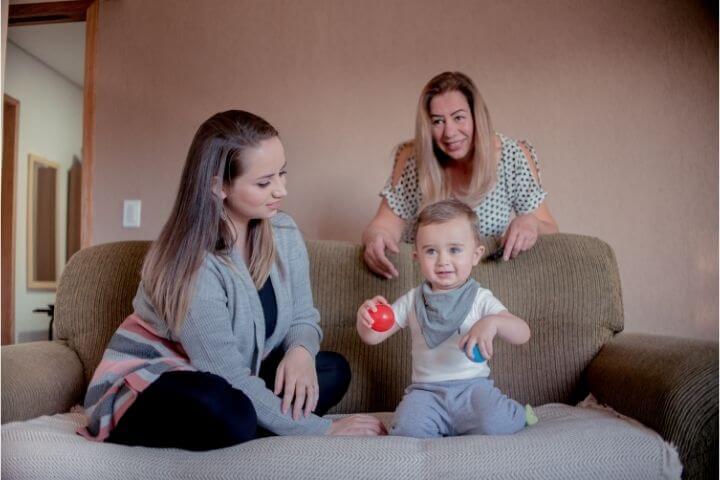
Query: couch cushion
x,y
567,443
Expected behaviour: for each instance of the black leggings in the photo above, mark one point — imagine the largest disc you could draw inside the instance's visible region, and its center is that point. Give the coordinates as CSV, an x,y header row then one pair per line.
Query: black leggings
x,y
201,411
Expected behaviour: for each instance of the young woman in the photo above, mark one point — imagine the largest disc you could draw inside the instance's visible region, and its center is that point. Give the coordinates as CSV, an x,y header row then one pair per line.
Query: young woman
x,y
223,342
457,154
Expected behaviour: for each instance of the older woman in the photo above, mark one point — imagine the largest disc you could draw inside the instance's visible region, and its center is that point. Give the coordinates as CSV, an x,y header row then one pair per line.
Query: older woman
x,y
457,154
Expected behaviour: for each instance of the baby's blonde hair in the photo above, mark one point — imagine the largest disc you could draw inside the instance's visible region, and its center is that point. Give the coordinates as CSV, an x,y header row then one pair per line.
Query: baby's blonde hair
x,y
446,210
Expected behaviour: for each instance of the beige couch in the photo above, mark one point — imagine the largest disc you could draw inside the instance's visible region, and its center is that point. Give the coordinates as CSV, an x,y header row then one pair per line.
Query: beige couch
x,y
568,289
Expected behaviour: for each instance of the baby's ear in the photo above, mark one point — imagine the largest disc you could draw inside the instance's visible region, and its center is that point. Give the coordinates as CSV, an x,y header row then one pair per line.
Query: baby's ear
x,y
414,254
479,251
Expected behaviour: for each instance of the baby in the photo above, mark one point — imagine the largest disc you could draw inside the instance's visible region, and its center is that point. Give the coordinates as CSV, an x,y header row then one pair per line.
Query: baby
x,y
449,315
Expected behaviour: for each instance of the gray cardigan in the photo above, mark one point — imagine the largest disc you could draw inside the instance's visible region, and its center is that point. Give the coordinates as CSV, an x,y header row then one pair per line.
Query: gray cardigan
x,y
225,324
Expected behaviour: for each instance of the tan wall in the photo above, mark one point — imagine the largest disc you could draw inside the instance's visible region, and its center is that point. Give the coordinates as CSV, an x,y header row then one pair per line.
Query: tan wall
x,y
620,99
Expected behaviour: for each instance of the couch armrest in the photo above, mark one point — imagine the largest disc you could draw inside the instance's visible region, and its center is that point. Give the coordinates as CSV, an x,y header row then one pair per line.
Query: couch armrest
x,y
39,378
671,385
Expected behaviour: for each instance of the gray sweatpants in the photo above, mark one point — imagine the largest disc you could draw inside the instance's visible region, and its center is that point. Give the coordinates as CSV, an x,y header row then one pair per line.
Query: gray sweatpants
x,y
456,407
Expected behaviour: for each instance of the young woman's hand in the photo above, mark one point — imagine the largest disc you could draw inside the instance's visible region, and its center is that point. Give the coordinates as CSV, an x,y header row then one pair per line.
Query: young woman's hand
x,y
297,379
357,425
375,244
520,236
482,335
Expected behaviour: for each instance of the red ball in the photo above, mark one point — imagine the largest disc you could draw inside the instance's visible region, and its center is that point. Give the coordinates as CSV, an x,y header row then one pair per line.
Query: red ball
x,y
383,318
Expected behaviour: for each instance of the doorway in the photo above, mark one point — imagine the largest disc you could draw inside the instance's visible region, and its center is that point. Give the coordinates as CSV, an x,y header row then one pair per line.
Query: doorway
x,y
35,37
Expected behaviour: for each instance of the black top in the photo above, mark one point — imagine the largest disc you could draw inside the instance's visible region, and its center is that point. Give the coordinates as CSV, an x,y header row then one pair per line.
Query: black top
x,y
269,306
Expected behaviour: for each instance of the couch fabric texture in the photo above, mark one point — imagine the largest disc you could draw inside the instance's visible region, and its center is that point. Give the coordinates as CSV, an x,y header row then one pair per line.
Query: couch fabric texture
x,y
567,444
567,288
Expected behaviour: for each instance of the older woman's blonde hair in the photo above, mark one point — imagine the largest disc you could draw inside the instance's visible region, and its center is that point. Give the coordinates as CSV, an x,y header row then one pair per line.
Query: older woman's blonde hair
x,y
434,183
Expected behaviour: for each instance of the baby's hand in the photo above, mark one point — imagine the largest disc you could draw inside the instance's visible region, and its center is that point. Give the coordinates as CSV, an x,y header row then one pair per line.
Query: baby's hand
x,y
363,315
482,335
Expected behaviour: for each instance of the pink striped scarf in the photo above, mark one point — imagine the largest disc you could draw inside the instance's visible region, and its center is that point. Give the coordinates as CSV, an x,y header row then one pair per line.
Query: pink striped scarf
x,y
135,357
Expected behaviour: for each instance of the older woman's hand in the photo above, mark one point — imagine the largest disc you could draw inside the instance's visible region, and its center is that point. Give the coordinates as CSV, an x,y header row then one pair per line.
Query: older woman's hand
x,y
521,235
375,244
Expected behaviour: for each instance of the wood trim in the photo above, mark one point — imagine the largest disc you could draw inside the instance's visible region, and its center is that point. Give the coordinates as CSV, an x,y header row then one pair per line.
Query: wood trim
x,y
48,12
11,119
45,13
86,207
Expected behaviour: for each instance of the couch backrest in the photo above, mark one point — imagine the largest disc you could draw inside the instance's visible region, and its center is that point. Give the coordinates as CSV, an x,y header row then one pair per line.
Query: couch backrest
x,y
95,295
567,288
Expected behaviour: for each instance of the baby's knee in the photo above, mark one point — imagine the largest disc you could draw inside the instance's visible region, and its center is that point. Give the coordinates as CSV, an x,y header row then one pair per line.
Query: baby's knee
x,y
495,414
504,419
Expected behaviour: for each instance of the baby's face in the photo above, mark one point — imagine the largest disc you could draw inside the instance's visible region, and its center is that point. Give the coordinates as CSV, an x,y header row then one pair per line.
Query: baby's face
x,y
446,253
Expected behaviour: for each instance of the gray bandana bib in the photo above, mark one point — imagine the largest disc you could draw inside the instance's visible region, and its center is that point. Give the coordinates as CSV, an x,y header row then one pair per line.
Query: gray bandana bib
x,y
441,314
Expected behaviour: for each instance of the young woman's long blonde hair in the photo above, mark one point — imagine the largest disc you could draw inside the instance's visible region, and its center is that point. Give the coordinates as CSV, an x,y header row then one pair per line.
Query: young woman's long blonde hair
x,y
198,225
434,183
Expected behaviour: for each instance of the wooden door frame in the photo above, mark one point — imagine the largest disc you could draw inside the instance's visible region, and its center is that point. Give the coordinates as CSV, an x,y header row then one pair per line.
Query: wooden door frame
x,y
73,11
9,215
38,14
88,152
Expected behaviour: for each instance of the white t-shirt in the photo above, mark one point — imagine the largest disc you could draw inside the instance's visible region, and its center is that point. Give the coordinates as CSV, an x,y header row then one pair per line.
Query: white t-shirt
x,y
446,361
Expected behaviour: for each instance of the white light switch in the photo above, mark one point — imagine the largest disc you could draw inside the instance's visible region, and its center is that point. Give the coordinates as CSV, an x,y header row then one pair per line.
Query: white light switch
x,y
131,213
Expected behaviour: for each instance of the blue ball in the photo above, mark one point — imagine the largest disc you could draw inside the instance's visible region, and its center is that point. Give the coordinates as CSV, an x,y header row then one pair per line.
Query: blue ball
x,y
477,356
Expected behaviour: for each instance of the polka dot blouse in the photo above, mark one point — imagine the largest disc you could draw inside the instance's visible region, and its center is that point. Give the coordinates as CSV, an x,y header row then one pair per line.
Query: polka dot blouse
x,y
516,190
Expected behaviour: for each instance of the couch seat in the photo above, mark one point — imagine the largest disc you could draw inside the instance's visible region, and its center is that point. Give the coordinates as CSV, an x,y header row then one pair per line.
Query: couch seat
x,y
567,443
